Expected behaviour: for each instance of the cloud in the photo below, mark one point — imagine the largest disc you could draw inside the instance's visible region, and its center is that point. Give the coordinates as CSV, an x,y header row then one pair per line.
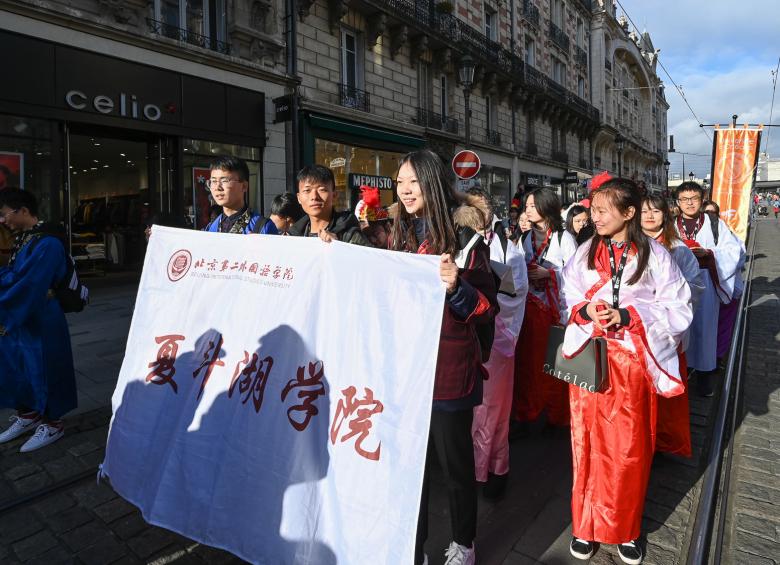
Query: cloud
x,y
722,54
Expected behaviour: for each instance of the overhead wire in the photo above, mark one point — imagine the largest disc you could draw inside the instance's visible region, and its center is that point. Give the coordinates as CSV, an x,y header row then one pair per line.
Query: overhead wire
x,y
772,106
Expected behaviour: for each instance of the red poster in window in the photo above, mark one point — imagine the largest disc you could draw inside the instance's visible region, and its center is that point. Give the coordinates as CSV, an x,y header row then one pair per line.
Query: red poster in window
x,y
11,169
200,196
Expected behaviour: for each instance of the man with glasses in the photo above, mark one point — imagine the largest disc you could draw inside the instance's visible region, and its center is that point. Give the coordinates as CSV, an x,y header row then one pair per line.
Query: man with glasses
x,y
718,252
228,185
316,191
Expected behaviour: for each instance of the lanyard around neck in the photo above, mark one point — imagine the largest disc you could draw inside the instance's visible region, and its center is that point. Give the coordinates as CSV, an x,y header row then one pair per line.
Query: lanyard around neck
x,y
617,273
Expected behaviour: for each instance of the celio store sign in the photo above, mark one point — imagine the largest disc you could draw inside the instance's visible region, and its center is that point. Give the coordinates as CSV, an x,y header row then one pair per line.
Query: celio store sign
x,y
123,105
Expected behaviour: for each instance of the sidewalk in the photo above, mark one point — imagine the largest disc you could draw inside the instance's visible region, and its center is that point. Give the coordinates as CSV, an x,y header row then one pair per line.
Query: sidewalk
x,y
753,528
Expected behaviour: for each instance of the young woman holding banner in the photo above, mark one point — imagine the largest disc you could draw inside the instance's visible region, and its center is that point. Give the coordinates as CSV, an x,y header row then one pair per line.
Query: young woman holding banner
x,y
426,224
626,287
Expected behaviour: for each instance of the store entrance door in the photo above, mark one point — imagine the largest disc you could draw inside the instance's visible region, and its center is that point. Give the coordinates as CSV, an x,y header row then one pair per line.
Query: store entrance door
x,y
118,180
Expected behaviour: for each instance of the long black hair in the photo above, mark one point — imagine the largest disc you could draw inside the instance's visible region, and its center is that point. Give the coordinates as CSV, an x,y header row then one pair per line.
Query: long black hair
x,y
548,206
573,212
439,199
623,194
668,231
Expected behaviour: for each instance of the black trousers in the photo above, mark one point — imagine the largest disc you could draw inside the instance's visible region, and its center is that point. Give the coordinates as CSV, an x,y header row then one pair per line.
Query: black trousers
x,y
450,439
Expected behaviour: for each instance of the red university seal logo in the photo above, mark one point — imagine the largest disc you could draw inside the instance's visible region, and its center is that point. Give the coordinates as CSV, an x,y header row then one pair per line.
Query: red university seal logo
x,y
179,265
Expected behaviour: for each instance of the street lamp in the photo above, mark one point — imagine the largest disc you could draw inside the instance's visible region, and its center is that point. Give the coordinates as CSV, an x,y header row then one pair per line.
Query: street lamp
x,y
466,75
691,176
619,143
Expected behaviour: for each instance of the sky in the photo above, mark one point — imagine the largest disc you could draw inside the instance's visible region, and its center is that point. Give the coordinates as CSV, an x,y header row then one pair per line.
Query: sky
x,y
722,54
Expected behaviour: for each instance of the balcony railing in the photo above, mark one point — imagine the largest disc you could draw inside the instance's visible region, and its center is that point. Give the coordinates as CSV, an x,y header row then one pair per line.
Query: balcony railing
x,y
186,36
557,90
433,120
560,156
580,57
531,13
558,37
351,97
608,64
492,137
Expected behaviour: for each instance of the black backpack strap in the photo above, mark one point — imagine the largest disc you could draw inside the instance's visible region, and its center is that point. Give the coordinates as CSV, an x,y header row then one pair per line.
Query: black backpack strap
x,y
259,224
714,224
501,237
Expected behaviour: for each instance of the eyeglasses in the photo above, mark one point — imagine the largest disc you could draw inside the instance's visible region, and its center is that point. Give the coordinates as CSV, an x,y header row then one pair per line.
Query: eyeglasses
x,y
691,200
223,182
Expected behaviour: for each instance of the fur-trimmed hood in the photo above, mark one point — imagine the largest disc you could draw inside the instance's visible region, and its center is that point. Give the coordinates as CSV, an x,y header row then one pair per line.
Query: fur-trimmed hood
x,y
472,213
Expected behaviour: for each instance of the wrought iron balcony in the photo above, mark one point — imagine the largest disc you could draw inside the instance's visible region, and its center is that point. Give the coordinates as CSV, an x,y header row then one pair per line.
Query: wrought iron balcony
x,y
557,90
560,156
492,137
536,78
433,120
559,37
352,97
580,57
608,64
531,13
186,36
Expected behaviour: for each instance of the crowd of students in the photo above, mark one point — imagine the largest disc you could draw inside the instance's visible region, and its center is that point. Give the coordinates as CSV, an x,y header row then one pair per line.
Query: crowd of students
x,y
661,289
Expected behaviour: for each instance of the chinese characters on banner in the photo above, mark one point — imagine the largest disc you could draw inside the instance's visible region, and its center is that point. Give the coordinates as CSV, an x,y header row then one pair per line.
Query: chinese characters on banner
x,y
257,402
733,171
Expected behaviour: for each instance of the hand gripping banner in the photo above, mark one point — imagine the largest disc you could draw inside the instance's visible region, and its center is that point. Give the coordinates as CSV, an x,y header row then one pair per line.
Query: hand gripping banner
x,y
275,396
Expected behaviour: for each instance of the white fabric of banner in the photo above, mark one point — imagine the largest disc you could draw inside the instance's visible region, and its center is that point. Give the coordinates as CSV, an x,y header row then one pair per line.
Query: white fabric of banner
x,y
275,396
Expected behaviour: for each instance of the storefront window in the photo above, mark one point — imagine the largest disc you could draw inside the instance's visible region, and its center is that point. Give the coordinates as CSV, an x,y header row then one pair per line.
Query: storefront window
x,y
198,155
27,160
497,182
344,159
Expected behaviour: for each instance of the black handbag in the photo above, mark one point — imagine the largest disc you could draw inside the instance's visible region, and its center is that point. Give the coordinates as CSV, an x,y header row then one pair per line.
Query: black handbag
x,y
588,369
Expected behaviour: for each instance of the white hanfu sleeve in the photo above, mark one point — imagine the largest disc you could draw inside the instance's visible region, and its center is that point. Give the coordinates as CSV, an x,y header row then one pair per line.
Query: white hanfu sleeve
x,y
689,266
512,308
727,257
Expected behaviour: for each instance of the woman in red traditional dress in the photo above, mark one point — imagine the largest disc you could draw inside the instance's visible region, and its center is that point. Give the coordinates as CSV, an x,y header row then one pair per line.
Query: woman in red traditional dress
x,y
673,432
625,287
547,247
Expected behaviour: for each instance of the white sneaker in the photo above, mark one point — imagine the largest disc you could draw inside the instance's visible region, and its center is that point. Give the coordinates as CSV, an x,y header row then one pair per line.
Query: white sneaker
x,y
20,426
44,435
460,555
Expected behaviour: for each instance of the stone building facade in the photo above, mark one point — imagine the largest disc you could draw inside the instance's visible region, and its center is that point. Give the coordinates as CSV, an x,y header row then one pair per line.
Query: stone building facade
x,y
630,97
112,110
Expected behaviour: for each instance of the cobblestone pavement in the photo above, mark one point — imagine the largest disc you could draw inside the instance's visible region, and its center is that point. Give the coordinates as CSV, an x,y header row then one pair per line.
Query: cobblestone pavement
x,y
753,526
86,523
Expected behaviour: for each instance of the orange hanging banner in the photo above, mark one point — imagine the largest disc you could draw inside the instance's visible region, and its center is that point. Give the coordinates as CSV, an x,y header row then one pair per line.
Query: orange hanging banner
x,y
733,172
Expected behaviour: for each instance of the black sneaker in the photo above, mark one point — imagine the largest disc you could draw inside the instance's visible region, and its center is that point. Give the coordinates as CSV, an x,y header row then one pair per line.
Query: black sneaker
x,y
494,487
581,549
630,552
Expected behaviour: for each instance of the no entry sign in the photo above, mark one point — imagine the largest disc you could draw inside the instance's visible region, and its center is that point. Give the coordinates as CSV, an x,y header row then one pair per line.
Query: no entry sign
x,y
466,164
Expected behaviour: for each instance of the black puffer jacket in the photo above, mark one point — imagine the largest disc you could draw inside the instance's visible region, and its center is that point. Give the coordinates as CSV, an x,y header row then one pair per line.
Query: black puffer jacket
x,y
343,224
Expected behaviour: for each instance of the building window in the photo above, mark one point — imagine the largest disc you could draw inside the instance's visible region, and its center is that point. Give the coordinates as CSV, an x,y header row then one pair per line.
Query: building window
x,y
443,97
491,23
351,62
490,113
556,13
205,18
581,87
424,86
559,72
530,52
580,33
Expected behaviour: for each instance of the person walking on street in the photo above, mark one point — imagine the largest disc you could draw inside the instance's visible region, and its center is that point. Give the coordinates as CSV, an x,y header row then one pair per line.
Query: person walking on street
x,y
36,363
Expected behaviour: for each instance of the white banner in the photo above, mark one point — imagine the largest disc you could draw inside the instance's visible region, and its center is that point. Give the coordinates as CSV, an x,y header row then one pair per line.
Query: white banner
x,y
275,396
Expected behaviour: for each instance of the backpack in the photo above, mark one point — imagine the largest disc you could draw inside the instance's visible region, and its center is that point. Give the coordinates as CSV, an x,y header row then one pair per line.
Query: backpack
x,y
259,224
72,295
